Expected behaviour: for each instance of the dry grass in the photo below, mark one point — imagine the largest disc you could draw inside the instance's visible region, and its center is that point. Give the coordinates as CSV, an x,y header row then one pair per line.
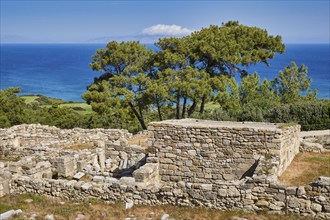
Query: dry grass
x,y
305,168
139,140
98,209
79,146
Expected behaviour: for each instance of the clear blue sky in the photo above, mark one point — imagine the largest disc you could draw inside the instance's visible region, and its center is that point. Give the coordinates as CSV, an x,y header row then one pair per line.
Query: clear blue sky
x,y
95,21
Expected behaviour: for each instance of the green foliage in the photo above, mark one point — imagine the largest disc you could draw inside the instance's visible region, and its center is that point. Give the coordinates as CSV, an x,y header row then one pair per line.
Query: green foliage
x,y
223,48
292,82
228,94
184,73
311,115
121,90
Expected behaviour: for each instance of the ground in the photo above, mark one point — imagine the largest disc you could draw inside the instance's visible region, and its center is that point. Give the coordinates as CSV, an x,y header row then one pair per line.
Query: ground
x,y
80,107
47,102
306,168
98,209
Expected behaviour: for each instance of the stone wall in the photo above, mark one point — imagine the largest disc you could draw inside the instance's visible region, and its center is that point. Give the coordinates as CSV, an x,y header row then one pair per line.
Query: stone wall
x,y
207,151
24,135
315,141
220,165
250,194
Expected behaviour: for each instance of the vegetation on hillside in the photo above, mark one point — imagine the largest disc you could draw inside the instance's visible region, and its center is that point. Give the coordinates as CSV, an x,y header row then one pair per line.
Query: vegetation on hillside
x,y
192,76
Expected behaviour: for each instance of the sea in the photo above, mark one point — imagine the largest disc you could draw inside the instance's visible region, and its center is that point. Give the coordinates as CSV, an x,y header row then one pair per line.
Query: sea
x,y
62,70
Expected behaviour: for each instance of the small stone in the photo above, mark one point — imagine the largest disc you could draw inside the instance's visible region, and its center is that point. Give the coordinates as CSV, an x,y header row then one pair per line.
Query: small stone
x,y
78,175
129,205
98,178
49,217
28,200
262,203
192,152
237,218
321,198
316,207
165,217
86,186
181,184
301,191
80,217
207,187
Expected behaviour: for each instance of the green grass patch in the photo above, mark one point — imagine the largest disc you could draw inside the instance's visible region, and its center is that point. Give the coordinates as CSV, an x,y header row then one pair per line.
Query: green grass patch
x,y
78,105
29,98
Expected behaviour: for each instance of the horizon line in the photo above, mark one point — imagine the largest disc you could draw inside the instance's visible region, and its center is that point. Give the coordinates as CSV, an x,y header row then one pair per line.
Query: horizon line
x,y
1,43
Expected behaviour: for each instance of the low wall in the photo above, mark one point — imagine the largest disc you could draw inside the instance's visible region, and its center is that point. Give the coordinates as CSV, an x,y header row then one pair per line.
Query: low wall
x,y
208,151
42,135
251,194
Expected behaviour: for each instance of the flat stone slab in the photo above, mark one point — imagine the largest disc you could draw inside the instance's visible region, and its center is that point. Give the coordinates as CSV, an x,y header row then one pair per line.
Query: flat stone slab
x,y
78,175
98,178
9,214
304,134
197,123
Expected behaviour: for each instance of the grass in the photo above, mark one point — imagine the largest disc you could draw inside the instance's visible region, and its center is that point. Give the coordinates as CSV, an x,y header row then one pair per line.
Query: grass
x,y
82,105
286,125
29,98
99,209
79,146
79,107
306,168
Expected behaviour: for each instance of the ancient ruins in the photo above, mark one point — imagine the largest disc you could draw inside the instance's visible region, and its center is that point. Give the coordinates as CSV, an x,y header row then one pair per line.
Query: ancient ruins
x,y
195,163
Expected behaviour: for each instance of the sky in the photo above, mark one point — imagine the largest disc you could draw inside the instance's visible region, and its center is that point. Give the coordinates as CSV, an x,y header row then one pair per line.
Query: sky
x,y
47,21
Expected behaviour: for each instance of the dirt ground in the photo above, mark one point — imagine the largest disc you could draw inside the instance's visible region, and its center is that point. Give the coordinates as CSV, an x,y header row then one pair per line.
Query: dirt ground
x,y
306,168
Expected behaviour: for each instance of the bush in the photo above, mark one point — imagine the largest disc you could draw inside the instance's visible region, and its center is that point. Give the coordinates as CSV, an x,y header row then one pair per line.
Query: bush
x,y
312,115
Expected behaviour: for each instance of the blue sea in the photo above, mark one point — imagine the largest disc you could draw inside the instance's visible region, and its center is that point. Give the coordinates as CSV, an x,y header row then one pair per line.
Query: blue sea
x,y
62,70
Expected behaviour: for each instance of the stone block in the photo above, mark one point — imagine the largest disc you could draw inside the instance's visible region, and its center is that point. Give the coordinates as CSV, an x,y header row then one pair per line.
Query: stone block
x,y
10,213
98,178
147,173
316,207
86,186
78,175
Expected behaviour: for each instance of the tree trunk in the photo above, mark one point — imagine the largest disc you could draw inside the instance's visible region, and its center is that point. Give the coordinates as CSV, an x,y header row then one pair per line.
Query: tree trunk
x,y
201,110
139,117
192,108
178,105
159,112
184,107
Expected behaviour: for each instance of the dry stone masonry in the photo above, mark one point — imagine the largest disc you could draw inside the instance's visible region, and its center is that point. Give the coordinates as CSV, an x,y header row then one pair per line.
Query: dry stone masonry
x,y
208,151
220,165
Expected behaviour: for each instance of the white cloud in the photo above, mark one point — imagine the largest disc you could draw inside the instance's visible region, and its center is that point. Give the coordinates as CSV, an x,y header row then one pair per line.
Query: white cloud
x,y
163,29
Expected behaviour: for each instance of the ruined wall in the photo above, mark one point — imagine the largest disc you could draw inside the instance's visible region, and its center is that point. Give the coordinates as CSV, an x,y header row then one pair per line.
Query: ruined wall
x,y
189,163
42,135
315,141
108,153
207,151
251,194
